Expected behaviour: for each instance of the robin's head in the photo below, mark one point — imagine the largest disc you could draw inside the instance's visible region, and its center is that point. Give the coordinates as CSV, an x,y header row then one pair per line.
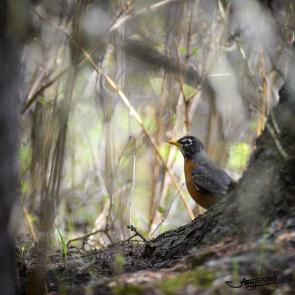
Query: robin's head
x,y
190,146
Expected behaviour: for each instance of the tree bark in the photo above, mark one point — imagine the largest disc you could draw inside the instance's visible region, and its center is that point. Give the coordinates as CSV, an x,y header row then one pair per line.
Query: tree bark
x,y
265,192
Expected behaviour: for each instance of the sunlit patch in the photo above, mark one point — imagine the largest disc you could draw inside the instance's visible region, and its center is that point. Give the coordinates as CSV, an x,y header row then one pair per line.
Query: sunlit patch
x,y
239,154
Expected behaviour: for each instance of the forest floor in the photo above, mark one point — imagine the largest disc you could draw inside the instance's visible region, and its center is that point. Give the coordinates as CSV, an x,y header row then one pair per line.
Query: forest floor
x,y
131,268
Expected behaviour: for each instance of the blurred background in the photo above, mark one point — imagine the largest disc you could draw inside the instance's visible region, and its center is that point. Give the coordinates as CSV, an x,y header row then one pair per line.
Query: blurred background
x,y
107,83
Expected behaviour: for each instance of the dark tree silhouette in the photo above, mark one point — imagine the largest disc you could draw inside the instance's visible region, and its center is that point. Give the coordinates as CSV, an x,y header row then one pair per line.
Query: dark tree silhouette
x,y
9,96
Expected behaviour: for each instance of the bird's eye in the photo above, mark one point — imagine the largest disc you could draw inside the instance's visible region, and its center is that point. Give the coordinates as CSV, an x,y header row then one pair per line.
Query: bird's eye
x,y
187,141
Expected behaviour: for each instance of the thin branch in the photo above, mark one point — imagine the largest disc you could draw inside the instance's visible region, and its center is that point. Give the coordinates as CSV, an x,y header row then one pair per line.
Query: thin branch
x,y
277,142
131,237
30,224
133,228
86,236
123,19
33,97
142,51
167,212
132,110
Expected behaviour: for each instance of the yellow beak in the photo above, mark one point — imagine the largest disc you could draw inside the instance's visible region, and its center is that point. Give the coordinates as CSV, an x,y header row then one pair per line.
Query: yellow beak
x,y
174,142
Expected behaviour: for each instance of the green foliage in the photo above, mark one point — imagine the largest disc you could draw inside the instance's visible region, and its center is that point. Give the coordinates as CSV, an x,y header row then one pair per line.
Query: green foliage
x,y
238,156
188,91
263,246
127,290
24,186
64,248
25,155
150,122
42,100
201,259
253,125
173,118
200,277
156,84
183,51
195,51
62,289
119,263
161,210
235,272
164,150
22,249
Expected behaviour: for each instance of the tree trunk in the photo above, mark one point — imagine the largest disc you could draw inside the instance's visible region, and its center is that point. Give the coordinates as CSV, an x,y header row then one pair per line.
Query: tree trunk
x,y
9,96
266,191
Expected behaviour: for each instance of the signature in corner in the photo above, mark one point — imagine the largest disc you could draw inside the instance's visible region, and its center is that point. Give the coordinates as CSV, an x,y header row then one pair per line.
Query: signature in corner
x,y
251,284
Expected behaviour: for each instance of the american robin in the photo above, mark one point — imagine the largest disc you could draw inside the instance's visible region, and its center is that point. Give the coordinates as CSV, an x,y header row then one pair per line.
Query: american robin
x,y
205,181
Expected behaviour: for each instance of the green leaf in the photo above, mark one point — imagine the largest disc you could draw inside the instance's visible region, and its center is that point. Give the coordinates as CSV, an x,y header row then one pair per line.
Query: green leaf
x,y
42,100
161,210
24,186
164,150
238,156
156,84
195,51
119,263
188,90
64,245
182,50
25,154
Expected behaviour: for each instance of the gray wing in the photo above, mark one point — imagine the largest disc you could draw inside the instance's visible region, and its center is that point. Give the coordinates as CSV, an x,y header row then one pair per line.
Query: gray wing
x,y
211,179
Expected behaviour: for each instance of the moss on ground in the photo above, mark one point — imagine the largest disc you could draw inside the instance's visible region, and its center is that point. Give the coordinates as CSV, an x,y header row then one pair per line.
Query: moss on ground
x,y
200,277
127,290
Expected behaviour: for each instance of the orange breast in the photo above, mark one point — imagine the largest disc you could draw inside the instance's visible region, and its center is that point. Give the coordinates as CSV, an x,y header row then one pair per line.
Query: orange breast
x,y
203,199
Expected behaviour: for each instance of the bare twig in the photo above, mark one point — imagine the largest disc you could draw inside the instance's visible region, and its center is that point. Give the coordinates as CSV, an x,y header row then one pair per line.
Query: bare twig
x,y
131,237
274,122
33,96
276,141
124,19
86,236
133,228
132,110
167,212
30,224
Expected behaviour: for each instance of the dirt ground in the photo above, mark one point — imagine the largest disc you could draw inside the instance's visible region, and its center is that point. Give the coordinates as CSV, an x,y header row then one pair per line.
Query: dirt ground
x,y
132,267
